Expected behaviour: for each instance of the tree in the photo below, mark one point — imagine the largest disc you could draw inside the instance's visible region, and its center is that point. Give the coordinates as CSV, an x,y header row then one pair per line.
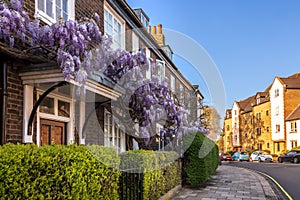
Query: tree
x,y
211,121
80,50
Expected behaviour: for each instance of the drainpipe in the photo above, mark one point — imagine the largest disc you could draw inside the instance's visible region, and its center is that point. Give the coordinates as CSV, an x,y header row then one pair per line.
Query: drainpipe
x,y
3,88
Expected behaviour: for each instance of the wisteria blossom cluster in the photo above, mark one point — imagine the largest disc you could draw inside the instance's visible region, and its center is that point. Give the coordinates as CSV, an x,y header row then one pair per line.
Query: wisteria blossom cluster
x,y
71,41
81,50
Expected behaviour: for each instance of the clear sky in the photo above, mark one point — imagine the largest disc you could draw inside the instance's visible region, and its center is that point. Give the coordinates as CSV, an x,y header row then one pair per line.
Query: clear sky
x,y
250,41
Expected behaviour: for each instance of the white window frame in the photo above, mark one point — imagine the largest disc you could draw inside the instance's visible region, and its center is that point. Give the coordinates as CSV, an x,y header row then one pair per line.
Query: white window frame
x,y
42,15
172,83
293,126
277,110
148,72
161,71
55,117
119,19
294,143
135,43
113,135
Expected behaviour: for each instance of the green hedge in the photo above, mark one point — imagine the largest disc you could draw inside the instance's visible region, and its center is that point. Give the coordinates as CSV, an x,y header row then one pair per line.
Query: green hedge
x,y
58,172
201,158
160,171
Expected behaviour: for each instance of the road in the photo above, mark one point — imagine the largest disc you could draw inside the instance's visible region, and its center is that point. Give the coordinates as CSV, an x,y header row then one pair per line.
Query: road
x,y
286,174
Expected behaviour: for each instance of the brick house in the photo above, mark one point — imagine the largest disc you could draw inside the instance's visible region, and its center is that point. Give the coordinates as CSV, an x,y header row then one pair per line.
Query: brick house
x,y
60,116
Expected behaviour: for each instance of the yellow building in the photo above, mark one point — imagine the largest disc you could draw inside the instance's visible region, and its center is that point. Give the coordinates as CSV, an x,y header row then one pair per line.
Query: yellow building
x,y
262,123
227,132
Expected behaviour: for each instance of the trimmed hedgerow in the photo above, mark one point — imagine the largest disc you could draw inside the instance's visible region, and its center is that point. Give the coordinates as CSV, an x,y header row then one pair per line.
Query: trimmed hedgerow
x,y
58,172
161,172
201,158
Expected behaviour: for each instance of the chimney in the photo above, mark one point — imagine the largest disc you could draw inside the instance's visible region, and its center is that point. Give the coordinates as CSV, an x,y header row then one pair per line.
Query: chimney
x,y
159,36
149,29
153,30
159,28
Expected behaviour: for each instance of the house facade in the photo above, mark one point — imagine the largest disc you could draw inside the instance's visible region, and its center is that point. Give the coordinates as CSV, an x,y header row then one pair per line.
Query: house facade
x,y
39,105
268,120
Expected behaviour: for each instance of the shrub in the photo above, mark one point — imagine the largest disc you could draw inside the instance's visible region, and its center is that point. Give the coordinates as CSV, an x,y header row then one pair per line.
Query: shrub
x,y
57,172
201,158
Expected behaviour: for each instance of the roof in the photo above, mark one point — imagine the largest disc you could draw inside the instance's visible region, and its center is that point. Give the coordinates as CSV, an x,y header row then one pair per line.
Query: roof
x,y
264,97
291,82
246,104
295,114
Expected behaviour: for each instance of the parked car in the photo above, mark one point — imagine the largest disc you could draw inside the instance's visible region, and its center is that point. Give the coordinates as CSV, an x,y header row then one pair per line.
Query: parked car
x,y
264,157
261,157
226,157
291,156
240,156
254,155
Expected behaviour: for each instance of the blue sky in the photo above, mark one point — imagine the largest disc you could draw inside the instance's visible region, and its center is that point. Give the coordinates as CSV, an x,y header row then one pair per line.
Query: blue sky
x,y
250,41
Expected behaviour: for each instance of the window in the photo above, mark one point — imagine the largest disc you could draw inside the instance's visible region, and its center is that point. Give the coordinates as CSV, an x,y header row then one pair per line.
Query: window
x,y
258,116
114,27
160,68
293,126
148,72
277,110
258,100
51,10
294,143
144,21
47,106
112,132
227,127
276,92
181,88
235,125
268,145
277,128
267,112
235,112
258,131
135,42
268,129
235,138
260,146
172,83
278,146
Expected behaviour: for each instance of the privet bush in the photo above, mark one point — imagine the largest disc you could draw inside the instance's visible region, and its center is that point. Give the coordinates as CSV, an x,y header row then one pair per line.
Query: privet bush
x,y
58,172
201,158
160,171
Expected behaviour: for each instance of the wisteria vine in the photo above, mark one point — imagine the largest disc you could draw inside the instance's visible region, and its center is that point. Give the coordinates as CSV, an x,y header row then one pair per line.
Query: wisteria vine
x,y
80,49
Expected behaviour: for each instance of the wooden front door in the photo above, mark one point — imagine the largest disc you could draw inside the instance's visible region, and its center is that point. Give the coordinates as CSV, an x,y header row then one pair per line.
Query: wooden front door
x,y
52,131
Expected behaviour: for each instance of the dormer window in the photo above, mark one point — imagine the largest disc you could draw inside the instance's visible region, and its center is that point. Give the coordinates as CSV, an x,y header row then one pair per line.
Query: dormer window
x,y
50,11
142,16
258,100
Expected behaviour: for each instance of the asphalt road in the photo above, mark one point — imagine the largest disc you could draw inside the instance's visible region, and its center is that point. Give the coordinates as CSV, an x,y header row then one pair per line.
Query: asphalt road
x,y
286,174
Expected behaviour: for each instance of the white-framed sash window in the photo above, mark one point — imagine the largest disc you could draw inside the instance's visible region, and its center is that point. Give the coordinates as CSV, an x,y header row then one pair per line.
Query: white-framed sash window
x,y
50,11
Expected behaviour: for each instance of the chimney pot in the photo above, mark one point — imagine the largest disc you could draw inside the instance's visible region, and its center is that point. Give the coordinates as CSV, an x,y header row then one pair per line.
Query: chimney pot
x,y
159,28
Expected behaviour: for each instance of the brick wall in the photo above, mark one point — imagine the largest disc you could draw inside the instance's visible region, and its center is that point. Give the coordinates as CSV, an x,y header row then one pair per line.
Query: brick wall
x,y
29,7
14,109
87,8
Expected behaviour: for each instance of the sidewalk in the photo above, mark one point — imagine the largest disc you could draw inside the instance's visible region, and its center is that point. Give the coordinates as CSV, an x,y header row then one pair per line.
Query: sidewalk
x,y
230,183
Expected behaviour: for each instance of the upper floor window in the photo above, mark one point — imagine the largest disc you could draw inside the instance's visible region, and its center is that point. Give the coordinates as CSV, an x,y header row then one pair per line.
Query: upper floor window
x,y
277,110
172,83
135,43
161,65
51,10
293,126
227,128
258,100
276,92
277,128
235,112
114,27
267,112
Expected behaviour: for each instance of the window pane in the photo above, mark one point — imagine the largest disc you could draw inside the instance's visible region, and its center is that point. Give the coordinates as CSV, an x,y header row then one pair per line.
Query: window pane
x,y
63,109
49,7
41,5
47,106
